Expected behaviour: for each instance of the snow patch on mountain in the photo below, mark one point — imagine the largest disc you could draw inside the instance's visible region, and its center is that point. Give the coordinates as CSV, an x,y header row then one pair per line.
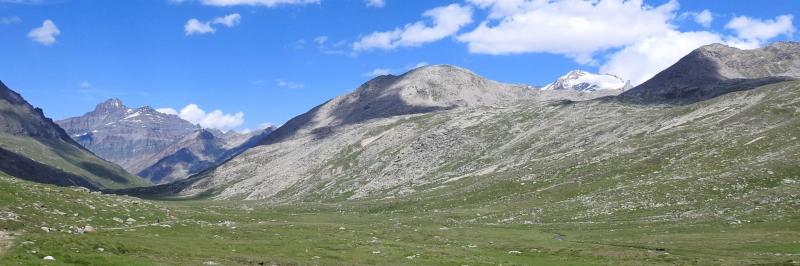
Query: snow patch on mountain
x,y
583,81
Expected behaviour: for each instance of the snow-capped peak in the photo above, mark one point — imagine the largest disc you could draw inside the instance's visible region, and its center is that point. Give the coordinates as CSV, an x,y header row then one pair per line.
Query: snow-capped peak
x,y
583,81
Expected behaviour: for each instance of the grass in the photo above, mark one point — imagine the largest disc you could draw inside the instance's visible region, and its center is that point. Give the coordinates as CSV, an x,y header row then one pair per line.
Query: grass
x,y
715,188
355,233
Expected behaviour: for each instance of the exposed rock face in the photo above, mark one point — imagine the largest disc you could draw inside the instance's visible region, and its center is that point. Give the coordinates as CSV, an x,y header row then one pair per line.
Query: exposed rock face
x,y
717,69
124,135
33,147
422,90
156,146
582,81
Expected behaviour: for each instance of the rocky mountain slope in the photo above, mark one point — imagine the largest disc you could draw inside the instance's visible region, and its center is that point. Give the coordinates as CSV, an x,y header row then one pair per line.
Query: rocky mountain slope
x,y
582,81
125,135
197,152
569,160
156,146
717,69
33,147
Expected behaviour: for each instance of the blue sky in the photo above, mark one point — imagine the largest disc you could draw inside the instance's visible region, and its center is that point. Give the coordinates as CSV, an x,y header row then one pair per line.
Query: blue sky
x,y
274,59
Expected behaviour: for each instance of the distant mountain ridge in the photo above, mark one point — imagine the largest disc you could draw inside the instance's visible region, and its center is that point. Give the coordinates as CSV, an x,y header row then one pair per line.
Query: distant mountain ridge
x,y
33,147
156,146
716,69
126,135
442,130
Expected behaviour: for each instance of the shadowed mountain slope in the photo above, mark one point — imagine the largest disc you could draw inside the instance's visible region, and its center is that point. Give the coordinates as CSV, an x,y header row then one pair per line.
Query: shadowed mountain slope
x,y
33,147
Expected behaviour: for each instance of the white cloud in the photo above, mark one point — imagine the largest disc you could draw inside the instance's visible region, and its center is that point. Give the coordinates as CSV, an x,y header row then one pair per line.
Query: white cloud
x,y
642,60
375,3
267,3
578,29
194,26
704,18
84,84
167,110
265,125
756,29
290,85
447,20
46,34
229,20
10,20
215,119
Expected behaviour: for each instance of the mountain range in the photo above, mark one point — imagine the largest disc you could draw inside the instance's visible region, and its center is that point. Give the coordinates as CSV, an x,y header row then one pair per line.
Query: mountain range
x,y
156,146
33,147
444,132
435,166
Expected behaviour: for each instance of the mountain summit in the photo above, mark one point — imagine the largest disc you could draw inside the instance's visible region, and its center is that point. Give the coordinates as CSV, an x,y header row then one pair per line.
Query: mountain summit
x,y
421,90
126,135
716,69
156,146
582,81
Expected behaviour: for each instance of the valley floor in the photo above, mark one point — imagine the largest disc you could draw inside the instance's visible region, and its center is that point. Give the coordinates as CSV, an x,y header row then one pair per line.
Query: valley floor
x,y
51,221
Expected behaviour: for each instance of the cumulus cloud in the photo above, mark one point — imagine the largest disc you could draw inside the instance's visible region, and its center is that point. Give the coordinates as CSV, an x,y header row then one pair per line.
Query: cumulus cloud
x,y
704,18
229,20
215,119
267,3
447,20
46,34
578,29
756,29
194,26
642,60
375,3
197,27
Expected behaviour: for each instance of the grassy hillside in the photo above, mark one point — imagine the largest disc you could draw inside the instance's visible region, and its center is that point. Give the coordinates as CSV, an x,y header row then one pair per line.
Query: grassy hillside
x,y
35,148
357,233
712,183
71,160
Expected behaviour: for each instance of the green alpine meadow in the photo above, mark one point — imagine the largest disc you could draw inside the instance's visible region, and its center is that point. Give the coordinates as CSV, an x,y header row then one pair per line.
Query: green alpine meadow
x,y
675,141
